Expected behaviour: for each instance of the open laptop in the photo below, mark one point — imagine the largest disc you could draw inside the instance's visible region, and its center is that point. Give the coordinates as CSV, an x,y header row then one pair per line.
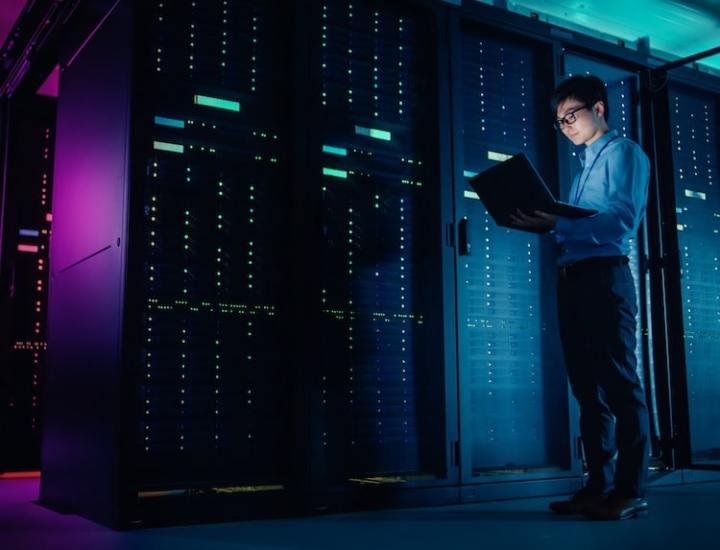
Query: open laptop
x,y
516,184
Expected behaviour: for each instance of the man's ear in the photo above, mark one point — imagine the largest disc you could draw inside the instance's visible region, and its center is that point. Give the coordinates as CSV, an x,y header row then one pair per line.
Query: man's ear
x,y
599,108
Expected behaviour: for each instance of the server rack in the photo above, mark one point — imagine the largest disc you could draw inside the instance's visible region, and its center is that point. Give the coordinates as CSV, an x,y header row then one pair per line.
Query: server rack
x,y
625,116
382,406
516,414
26,221
685,112
169,308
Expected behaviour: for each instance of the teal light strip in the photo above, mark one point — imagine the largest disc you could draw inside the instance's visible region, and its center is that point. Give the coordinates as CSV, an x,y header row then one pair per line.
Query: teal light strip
x,y
695,194
373,133
494,155
172,122
217,102
335,173
335,150
469,174
171,147
471,195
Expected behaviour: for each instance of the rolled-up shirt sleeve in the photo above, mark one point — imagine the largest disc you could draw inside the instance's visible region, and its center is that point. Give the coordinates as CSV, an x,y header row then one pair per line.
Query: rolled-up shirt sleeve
x,y
625,194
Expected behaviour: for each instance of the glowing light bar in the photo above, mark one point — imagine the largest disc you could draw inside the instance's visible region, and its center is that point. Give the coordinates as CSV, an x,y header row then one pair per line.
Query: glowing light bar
x,y
469,174
341,151
171,147
471,195
216,102
335,173
48,217
172,122
28,248
29,233
494,155
20,475
373,133
695,194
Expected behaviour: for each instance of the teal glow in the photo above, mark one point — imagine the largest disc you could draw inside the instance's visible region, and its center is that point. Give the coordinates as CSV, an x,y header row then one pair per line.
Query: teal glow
x,y
172,122
469,174
341,151
494,155
217,103
675,28
335,173
171,147
373,133
695,194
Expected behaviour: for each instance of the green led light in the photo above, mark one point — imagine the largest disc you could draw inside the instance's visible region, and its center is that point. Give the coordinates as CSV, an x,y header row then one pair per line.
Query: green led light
x,y
335,173
216,102
171,147
341,151
172,122
373,133
471,195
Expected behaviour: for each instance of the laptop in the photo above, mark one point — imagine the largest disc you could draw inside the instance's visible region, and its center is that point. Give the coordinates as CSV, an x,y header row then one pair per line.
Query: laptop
x,y
516,184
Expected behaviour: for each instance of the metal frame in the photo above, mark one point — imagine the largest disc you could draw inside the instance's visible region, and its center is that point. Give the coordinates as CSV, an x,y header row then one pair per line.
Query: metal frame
x,y
485,487
665,263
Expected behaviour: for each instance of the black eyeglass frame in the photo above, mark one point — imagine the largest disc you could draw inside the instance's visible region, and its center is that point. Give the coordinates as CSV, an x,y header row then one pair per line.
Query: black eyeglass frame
x,y
569,118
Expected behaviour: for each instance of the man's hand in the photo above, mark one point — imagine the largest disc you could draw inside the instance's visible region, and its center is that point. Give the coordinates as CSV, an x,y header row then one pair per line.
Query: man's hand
x,y
541,221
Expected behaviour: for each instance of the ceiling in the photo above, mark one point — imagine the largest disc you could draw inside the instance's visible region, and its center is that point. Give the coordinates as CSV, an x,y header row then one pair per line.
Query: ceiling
x,y
676,28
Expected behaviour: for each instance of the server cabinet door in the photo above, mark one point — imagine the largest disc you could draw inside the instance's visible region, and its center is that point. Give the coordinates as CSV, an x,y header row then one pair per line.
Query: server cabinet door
x,y
515,410
209,302
694,124
623,94
377,390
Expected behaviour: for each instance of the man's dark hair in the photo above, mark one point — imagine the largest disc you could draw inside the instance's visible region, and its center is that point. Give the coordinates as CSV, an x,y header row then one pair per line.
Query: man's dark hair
x,y
587,89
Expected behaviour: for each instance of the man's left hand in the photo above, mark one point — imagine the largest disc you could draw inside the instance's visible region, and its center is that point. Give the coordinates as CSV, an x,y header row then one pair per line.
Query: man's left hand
x,y
539,221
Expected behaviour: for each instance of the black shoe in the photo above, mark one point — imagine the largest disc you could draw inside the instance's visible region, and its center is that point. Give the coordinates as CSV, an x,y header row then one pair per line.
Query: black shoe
x,y
578,503
616,507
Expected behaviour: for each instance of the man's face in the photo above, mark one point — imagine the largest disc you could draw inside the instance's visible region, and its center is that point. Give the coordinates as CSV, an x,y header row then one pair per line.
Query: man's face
x,y
586,124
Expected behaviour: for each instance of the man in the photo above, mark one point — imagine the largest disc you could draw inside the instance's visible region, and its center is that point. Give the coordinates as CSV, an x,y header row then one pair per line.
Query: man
x,y
597,302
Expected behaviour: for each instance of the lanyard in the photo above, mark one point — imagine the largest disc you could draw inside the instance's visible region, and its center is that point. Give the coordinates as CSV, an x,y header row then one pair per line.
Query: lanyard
x,y
581,188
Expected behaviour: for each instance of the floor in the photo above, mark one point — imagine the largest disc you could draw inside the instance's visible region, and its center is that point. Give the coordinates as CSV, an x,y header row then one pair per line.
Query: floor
x,y
686,516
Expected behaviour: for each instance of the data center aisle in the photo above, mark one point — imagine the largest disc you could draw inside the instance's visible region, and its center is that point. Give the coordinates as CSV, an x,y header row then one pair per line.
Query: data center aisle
x,y
681,517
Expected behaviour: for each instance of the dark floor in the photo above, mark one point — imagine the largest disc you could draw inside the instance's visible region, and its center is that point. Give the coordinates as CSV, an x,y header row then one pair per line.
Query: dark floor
x,y
682,517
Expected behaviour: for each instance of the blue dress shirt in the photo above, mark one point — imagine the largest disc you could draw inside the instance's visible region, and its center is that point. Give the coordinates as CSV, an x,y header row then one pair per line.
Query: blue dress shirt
x,y
615,183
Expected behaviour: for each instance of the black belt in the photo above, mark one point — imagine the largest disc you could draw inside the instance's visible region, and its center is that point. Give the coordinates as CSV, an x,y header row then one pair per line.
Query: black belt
x,y
591,264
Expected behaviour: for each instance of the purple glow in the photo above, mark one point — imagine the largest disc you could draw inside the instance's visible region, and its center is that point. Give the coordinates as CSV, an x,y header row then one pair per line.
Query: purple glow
x,y
9,11
52,84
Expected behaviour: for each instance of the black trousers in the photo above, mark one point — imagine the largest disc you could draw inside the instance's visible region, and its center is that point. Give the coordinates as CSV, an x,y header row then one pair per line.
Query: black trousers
x,y
597,314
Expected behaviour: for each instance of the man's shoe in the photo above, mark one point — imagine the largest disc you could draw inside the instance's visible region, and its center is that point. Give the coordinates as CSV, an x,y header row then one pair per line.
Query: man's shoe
x,y
579,502
615,507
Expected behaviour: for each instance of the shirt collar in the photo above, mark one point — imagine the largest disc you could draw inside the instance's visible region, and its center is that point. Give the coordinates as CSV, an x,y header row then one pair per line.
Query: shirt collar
x,y
590,151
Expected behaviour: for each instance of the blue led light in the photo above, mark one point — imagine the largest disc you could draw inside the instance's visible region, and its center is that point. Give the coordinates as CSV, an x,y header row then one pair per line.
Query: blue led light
x,y
171,122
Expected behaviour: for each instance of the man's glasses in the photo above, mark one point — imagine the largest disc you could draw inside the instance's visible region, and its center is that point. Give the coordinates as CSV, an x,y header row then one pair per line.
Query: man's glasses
x,y
569,118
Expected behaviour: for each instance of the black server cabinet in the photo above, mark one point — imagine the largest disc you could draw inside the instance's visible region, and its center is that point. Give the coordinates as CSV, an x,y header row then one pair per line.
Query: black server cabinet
x,y
516,415
693,124
171,350
26,220
381,384
624,99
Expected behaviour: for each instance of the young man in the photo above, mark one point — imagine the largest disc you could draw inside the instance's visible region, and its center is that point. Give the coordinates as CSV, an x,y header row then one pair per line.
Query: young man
x,y
597,302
